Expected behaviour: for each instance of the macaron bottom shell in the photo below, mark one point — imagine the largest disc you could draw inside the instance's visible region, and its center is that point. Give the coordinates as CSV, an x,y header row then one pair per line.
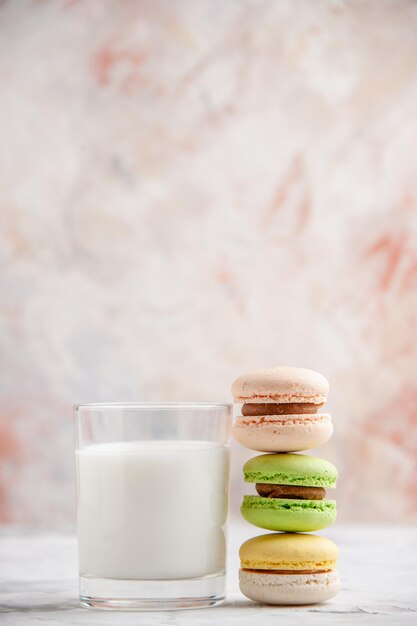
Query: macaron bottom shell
x,y
288,515
292,589
275,434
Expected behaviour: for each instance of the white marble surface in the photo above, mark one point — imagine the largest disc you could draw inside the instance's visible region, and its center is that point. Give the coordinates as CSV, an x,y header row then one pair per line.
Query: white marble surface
x,y
38,584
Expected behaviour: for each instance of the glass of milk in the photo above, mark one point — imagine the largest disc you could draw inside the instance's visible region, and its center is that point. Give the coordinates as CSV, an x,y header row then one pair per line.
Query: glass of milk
x,y
152,493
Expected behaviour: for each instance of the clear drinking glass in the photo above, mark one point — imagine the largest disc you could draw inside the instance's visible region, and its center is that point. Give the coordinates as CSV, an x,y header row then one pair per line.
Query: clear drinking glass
x,y
152,492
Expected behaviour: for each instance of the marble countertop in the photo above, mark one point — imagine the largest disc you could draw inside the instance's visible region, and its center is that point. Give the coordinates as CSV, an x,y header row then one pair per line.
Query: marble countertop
x,y
378,567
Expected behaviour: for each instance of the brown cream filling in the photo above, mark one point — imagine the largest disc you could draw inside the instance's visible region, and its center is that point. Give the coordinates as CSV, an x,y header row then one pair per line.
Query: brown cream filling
x,y
295,492
274,408
287,571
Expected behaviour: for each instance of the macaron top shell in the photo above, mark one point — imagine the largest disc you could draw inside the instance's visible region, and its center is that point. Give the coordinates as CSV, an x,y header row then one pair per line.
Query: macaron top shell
x,y
290,469
288,551
281,384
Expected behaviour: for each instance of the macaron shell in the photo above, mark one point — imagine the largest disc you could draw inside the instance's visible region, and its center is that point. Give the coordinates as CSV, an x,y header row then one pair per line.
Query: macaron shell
x,y
288,515
290,469
284,551
281,384
292,434
292,589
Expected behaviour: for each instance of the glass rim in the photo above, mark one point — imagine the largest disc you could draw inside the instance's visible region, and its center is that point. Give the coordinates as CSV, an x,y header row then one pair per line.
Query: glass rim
x,y
162,406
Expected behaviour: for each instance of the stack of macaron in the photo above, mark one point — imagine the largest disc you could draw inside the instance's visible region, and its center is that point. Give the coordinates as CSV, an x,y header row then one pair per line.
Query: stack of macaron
x,y
281,416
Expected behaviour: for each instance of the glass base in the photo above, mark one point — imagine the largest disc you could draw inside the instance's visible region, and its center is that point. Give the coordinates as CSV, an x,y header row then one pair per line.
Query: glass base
x,y
152,595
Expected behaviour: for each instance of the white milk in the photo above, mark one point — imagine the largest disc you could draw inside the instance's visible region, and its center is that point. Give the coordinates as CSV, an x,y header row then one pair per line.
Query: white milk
x,y
152,510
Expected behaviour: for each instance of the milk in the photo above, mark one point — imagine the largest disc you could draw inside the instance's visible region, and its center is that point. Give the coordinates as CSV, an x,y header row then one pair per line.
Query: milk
x,y
152,510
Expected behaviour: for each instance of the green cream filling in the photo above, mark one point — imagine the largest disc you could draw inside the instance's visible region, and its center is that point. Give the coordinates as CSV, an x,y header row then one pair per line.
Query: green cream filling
x,y
280,478
257,502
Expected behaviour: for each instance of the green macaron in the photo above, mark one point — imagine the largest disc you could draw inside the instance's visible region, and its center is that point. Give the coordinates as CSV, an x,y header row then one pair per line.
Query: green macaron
x,y
292,492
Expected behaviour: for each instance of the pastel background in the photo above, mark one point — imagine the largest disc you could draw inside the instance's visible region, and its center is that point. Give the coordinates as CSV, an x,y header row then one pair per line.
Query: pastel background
x,y
194,189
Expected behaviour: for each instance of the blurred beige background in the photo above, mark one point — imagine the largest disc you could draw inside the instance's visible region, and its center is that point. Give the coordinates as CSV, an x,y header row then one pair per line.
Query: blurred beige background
x,y
194,189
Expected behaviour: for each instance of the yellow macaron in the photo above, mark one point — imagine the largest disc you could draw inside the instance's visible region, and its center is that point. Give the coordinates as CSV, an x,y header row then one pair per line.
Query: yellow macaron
x,y
289,568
